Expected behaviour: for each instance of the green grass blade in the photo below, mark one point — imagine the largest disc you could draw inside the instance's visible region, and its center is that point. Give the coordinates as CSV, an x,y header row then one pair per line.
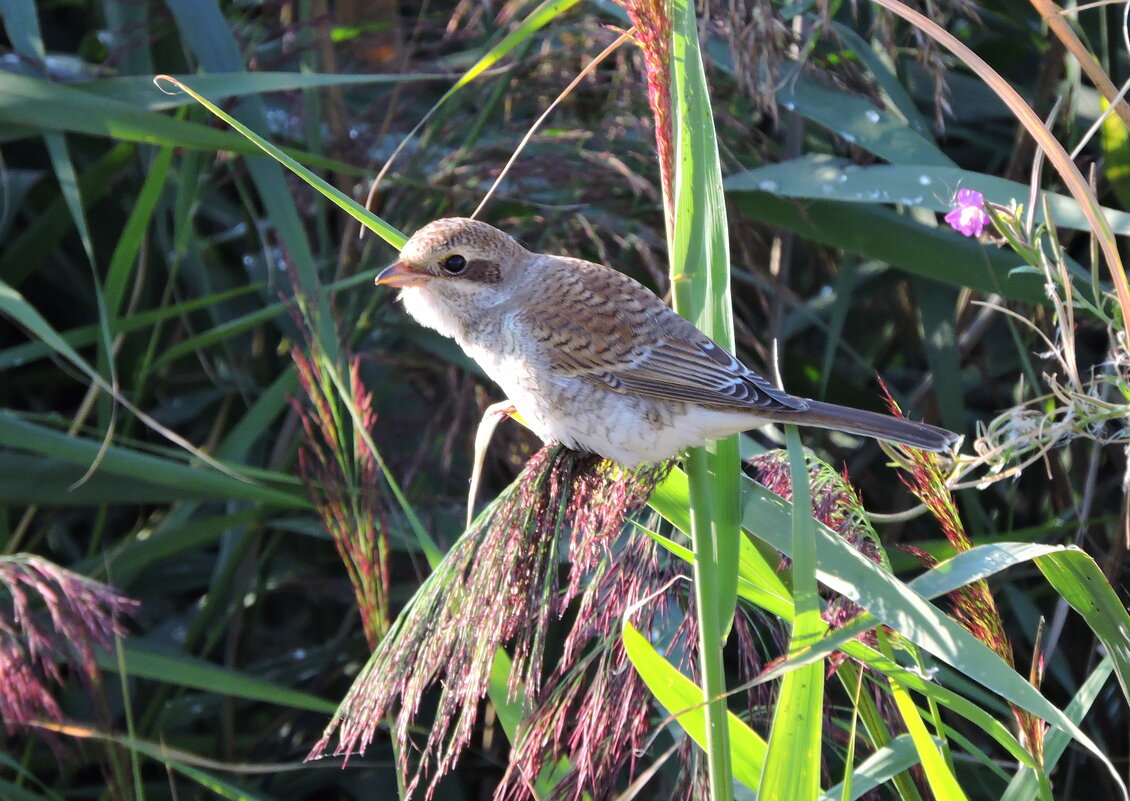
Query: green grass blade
x,y
758,582
13,305
137,90
700,273
14,792
172,540
133,234
939,776
179,761
541,16
82,336
37,105
25,777
214,44
187,671
1025,785
793,763
338,198
880,767
273,401
68,182
33,245
186,480
973,565
22,25
959,705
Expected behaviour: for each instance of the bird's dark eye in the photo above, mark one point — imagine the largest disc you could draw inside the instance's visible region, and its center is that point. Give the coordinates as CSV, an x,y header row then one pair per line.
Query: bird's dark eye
x,y
454,264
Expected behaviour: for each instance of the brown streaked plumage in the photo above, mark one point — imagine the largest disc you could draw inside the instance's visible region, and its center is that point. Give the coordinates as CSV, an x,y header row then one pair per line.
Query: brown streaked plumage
x,y
595,360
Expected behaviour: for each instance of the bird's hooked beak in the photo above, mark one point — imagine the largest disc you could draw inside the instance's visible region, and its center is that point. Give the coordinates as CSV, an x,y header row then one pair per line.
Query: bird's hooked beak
x,y
400,275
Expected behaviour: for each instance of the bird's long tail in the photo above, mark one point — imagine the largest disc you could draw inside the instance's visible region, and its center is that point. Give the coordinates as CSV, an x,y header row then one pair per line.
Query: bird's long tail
x,y
871,424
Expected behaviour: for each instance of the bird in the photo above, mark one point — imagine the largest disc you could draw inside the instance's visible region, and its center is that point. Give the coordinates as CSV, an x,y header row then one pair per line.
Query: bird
x,y
594,360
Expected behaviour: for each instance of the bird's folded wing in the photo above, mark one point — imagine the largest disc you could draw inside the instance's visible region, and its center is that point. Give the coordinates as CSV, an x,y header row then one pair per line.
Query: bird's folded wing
x,y
694,370
606,328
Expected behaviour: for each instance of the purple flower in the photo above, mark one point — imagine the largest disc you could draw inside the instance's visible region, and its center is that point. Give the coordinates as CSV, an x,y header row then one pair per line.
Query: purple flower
x,y
968,216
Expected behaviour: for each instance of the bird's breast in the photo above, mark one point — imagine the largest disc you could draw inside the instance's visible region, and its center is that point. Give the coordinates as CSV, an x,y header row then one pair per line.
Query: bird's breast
x,y
505,354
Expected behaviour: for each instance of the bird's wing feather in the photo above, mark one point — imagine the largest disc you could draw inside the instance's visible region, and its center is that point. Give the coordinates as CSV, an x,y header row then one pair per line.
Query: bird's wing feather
x,y
629,340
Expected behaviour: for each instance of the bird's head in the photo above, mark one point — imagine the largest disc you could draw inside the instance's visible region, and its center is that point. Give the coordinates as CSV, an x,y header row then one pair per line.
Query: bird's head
x,y
453,271
456,256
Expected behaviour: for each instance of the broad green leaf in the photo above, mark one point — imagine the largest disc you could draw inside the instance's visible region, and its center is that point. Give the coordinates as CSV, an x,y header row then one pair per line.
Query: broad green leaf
x,y
927,186
1080,582
683,700
856,120
883,71
976,564
853,118
937,253
959,705
936,304
508,708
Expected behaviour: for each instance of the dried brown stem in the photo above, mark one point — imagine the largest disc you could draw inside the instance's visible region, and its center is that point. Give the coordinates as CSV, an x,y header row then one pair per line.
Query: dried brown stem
x,y
1052,14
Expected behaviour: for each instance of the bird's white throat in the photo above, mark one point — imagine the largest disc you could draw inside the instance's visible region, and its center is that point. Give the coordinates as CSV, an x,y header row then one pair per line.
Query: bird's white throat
x,y
429,309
